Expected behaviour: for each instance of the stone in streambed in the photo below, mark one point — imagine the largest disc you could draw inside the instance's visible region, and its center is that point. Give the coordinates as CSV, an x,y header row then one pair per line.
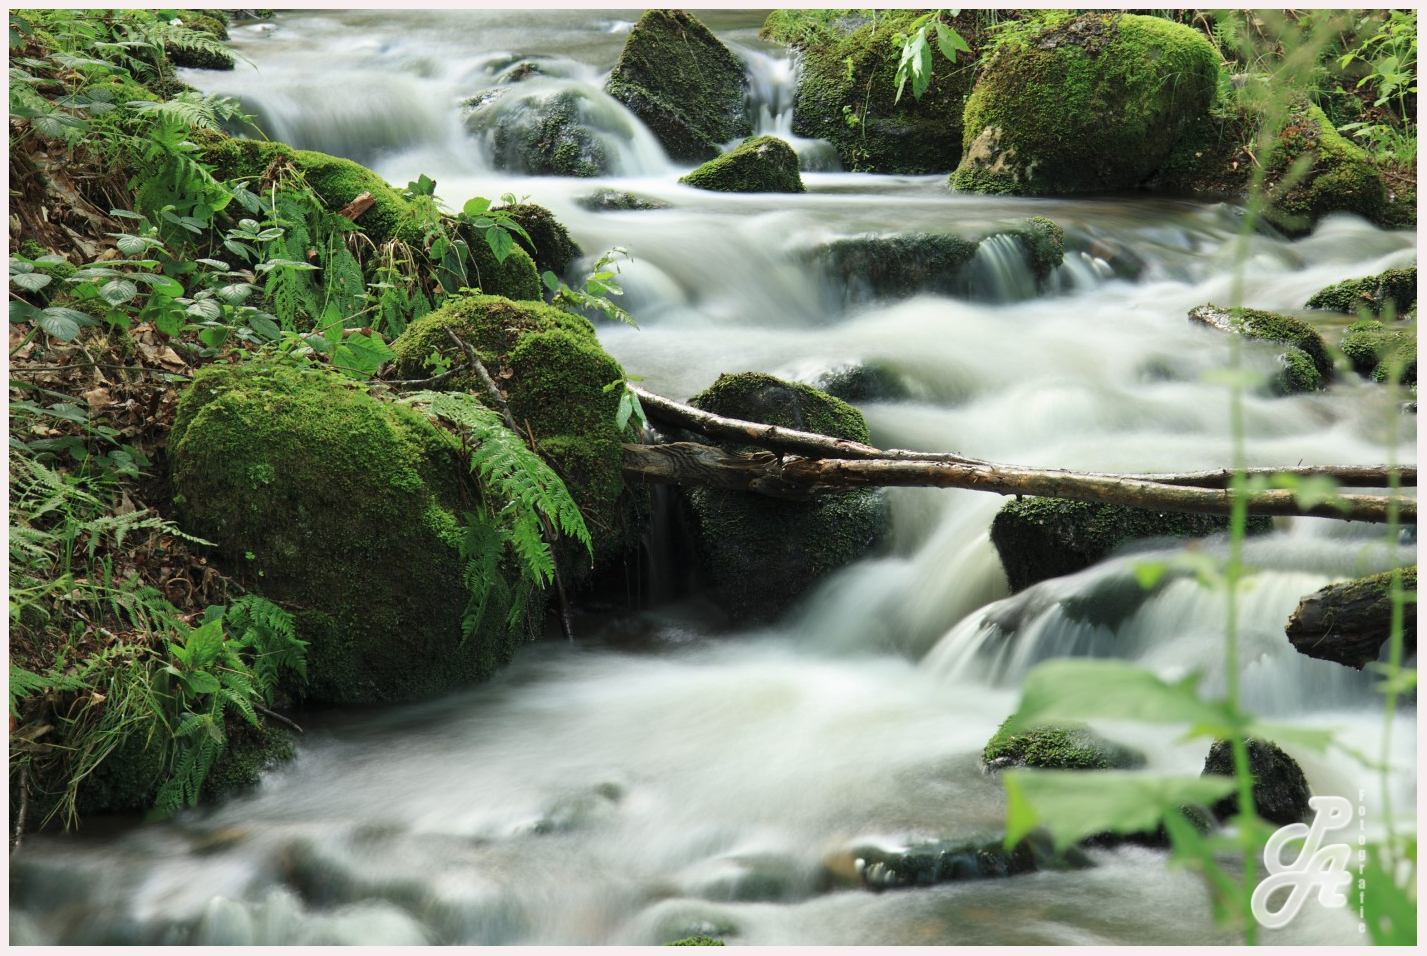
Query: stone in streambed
x,y
760,164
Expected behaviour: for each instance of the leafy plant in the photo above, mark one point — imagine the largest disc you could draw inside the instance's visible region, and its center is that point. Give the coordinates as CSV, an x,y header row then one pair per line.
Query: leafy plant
x,y
598,283
916,60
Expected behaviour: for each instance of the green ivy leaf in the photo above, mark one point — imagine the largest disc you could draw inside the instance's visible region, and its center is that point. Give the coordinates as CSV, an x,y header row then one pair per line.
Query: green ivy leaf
x,y
500,242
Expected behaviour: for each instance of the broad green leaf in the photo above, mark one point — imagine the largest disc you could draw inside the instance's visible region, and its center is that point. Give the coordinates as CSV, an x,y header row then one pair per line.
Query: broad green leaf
x,y
1390,904
626,408
33,281
1079,689
950,42
476,207
1075,804
118,291
62,323
1305,737
500,242
22,311
551,282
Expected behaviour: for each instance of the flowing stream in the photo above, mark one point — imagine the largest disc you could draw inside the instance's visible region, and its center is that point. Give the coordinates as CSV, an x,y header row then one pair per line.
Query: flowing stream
x,y
662,777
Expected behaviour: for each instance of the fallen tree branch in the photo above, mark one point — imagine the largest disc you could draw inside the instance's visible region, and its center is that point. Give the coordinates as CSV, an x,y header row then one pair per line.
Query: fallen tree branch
x,y
813,445
801,479
357,206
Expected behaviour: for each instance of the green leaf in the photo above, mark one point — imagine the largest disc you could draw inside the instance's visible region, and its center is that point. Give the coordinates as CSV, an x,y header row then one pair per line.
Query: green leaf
x,y
500,242
200,682
476,206
626,409
62,323
1389,906
118,291
1079,689
551,282
950,42
1075,804
32,281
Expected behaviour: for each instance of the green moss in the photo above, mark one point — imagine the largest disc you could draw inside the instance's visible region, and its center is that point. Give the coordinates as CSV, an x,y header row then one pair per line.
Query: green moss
x,y
1271,327
1342,177
555,373
898,266
1087,104
847,92
1372,294
760,164
696,941
349,507
551,246
683,84
201,59
1376,350
549,140
250,753
1064,747
1043,242
760,554
1299,374
1041,538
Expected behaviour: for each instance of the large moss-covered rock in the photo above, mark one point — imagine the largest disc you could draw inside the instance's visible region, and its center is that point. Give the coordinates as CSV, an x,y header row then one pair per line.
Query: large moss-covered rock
x,y
338,181
543,135
347,509
759,554
555,373
1084,104
898,266
550,244
683,84
847,91
1280,790
1042,538
1377,351
760,164
1306,365
1396,288
1350,622
1065,747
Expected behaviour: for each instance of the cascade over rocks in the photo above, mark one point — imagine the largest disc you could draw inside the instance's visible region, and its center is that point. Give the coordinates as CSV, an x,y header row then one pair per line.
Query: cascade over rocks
x,y
1350,622
683,84
1041,538
761,164
1280,790
847,91
760,554
1086,104
345,508
540,135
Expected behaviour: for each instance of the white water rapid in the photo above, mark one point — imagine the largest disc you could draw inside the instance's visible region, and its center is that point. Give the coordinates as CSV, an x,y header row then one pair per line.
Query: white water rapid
x,y
660,777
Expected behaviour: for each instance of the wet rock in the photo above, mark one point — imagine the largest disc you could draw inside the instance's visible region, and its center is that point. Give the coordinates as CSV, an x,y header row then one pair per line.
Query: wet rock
x,y
683,84
760,164
1065,747
1306,365
696,941
858,382
614,200
1280,790
847,92
881,868
1350,622
1040,538
1394,287
544,135
760,554
1378,351
899,266
1088,103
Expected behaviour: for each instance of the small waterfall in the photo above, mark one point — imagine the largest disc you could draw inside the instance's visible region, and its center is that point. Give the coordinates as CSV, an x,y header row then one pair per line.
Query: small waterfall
x,y
772,92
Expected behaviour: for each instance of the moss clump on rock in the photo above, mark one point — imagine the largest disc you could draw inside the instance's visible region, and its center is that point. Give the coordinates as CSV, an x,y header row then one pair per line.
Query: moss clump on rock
x,y
1395,287
1086,104
899,266
551,364
759,554
1376,351
1280,790
1043,242
1270,327
847,92
550,244
347,508
615,200
760,164
683,84
1297,373
1064,747
546,137
1042,538
859,382
696,941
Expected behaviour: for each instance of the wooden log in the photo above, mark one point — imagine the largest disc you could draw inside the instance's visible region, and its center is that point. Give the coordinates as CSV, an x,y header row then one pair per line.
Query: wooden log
x,y
357,206
797,478
1349,622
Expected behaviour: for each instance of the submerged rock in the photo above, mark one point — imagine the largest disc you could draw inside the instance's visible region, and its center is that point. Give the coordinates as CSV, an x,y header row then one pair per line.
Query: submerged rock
x,y
1306,365
1065,747
847,91
683,84
858,382
1395,287
760,554
899,266
928,864
614,200
760,164
1084,104
544,135
1040,538
344,507
1378,351
1280,790
1349,622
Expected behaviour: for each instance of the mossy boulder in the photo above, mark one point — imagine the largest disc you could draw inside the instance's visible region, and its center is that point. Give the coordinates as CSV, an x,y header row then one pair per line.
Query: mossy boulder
x,y
1043,538
847,91
683,84
555,372
1351,621
858,382
1375,350
948,861
1084,104
760,554
1395,288
550,244
543,135
615,200
347,509
760,164
898,266
1280,790
1306,364
1043,244
1065,747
